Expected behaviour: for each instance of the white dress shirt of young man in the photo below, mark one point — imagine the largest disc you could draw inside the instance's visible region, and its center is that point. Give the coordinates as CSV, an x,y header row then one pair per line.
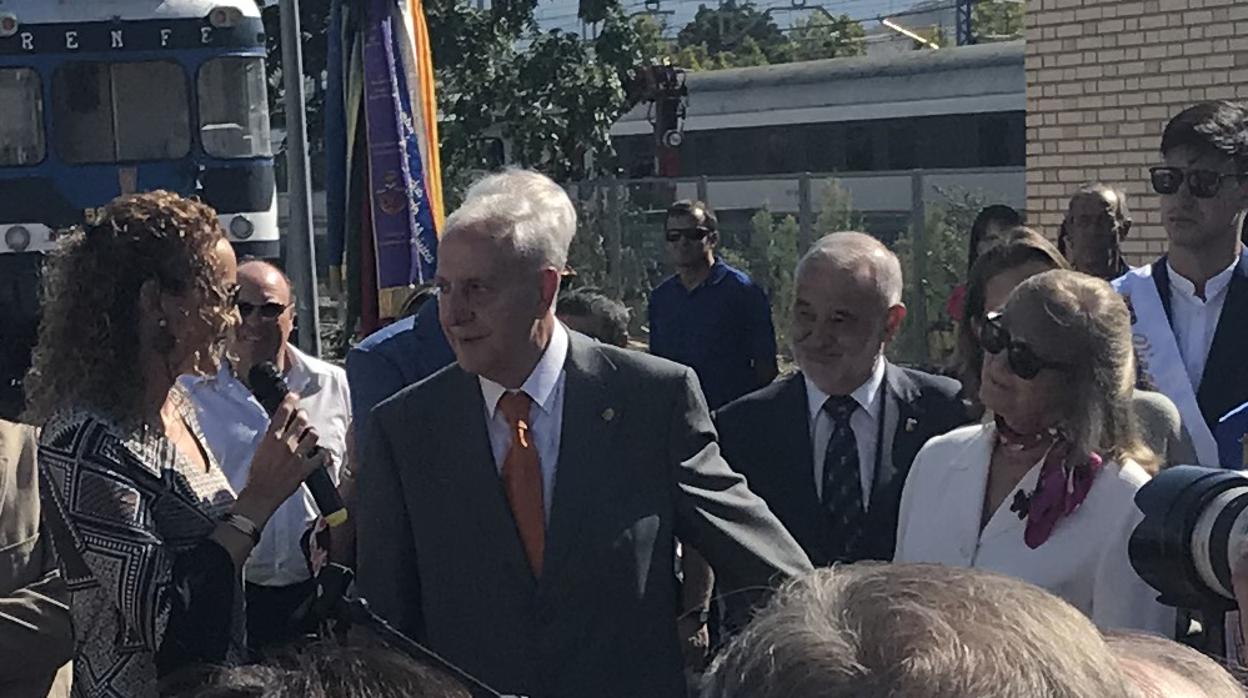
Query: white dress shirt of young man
x,y
233,422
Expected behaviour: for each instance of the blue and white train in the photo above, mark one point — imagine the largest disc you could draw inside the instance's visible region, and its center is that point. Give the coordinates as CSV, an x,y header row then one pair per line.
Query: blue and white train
x,y
105,97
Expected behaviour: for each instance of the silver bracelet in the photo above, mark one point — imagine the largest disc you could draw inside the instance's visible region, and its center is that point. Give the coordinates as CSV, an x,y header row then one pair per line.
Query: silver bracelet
x,y
243,525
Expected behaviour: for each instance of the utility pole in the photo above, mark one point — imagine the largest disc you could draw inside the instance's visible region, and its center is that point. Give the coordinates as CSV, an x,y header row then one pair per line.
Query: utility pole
x,y
300,245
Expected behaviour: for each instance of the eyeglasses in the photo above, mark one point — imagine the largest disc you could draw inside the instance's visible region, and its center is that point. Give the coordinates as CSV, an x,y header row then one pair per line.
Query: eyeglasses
x,y
695,234
268,311
1022,359
1203,184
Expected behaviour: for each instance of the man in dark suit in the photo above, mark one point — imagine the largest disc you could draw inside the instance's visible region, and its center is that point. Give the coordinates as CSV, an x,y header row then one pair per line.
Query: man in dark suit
x,y
518,510
828,448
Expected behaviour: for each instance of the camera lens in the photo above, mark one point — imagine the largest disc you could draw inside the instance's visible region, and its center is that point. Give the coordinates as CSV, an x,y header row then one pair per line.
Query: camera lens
x,y
1195,521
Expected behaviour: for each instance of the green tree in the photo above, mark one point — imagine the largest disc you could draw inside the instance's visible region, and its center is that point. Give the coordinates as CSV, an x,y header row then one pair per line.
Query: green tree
x,y
551,94
836,211
770,257
998,19
820,35
724,28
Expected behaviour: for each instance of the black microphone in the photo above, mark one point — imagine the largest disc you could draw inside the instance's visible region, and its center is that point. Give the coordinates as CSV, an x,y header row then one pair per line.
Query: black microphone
x,y
270,389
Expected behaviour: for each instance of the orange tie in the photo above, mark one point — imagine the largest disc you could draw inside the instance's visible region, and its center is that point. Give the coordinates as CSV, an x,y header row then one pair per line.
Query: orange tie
x,y
522,476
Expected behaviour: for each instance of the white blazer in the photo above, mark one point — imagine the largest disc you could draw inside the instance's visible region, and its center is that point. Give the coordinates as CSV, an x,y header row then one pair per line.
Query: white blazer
x,y
1084,561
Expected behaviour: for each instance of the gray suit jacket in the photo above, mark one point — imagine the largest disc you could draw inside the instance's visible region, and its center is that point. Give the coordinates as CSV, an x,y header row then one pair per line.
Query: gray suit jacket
x,y
638,465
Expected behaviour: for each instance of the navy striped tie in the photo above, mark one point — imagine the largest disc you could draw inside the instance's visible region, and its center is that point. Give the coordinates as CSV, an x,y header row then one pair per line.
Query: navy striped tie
x,y
842,480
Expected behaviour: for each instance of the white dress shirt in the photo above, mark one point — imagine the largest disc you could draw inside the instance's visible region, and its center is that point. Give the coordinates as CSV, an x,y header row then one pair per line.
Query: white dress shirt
x,y
865,423
233,423
545,387
1194,320
1085,559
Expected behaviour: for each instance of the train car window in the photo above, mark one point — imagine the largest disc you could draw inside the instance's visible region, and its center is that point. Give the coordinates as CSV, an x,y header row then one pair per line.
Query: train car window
x,y
117,112
21,117
234,108
994,148
901,144
859,149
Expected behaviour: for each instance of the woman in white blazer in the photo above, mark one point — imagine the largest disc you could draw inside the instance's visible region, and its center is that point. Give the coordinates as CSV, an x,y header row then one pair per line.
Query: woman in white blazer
x,y
1044,490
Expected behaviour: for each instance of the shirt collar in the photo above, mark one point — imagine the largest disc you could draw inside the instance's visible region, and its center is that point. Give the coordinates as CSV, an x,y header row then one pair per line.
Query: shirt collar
x,y
1213,287
866,395
301,377
541,383
718,271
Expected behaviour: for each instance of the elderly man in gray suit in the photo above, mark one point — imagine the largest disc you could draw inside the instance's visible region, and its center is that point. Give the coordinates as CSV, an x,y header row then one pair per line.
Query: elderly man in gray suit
x,y
518,510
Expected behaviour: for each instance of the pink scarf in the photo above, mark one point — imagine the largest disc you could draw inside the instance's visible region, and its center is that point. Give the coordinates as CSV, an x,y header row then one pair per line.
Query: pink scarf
x,y
1062,486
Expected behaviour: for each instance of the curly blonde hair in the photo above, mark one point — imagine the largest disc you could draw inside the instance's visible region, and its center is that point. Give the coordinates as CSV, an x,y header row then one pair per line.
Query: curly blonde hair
x,y
87,354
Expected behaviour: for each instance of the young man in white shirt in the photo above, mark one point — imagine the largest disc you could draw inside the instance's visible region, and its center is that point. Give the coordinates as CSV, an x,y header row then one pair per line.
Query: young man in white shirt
x,y
277,573
1188,307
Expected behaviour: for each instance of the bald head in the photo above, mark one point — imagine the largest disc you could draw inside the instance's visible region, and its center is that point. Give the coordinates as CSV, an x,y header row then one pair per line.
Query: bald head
x,y
266,303
859,254
259,272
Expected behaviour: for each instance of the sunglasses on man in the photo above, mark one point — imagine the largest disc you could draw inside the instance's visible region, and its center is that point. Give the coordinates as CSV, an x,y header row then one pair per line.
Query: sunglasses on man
x,y
694,234
1023,361
268,311
1203,184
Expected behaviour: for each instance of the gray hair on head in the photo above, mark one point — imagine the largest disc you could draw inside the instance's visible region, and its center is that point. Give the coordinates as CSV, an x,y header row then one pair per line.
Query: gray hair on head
x,y
524,208
1160,667
851,250
871,630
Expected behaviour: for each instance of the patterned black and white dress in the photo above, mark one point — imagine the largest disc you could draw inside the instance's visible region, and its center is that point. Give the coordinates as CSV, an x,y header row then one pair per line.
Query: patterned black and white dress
x,y
140,515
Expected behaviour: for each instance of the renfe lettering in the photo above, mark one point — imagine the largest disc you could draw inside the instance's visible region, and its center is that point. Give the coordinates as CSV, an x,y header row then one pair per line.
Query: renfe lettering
x,y
205,35
71,41
118,42
164,37
28,41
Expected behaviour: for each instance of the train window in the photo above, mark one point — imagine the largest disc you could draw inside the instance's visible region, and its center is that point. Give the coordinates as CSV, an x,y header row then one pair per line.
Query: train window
x,y
21,117
859,149
234,108
994,149
116,112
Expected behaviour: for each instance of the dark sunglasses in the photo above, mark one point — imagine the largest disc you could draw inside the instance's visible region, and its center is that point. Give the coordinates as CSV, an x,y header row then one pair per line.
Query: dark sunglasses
x,y
695,234
1203,184
1022,360
268,311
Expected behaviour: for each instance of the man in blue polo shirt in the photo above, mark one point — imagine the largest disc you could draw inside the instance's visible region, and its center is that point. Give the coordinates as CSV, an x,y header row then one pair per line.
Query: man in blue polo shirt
x,y
710,316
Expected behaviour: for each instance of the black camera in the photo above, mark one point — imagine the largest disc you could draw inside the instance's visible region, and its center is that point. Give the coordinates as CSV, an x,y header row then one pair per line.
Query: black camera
x,y
1194,528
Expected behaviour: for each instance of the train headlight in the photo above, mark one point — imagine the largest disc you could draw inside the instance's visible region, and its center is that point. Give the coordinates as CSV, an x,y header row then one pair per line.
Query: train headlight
x,y
8,24
241,228
225,17
17,238
673,139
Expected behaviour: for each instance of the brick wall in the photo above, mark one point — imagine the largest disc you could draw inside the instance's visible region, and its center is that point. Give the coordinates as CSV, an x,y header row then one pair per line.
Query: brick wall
x,y
1103,77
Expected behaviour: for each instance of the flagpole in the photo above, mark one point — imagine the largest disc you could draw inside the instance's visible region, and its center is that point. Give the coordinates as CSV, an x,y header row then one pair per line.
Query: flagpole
x,y
300,246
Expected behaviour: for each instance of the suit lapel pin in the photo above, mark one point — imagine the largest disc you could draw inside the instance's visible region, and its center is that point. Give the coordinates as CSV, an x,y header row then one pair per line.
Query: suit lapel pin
x,y
911,423
608,414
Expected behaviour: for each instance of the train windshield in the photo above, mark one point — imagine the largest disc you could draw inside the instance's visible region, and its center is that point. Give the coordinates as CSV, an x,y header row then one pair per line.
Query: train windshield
x,y
21,117
116,112
234,108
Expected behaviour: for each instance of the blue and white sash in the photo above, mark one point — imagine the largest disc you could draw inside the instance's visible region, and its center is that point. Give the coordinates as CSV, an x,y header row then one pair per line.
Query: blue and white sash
x,y
1158,353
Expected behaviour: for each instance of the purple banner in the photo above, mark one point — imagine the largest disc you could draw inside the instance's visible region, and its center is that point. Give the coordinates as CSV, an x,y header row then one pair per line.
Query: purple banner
x,y
403,231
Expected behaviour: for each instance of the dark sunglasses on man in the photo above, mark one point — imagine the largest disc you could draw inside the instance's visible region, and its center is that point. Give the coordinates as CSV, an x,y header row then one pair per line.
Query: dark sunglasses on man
x,y
268,311
694,234
1203,184
994,338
